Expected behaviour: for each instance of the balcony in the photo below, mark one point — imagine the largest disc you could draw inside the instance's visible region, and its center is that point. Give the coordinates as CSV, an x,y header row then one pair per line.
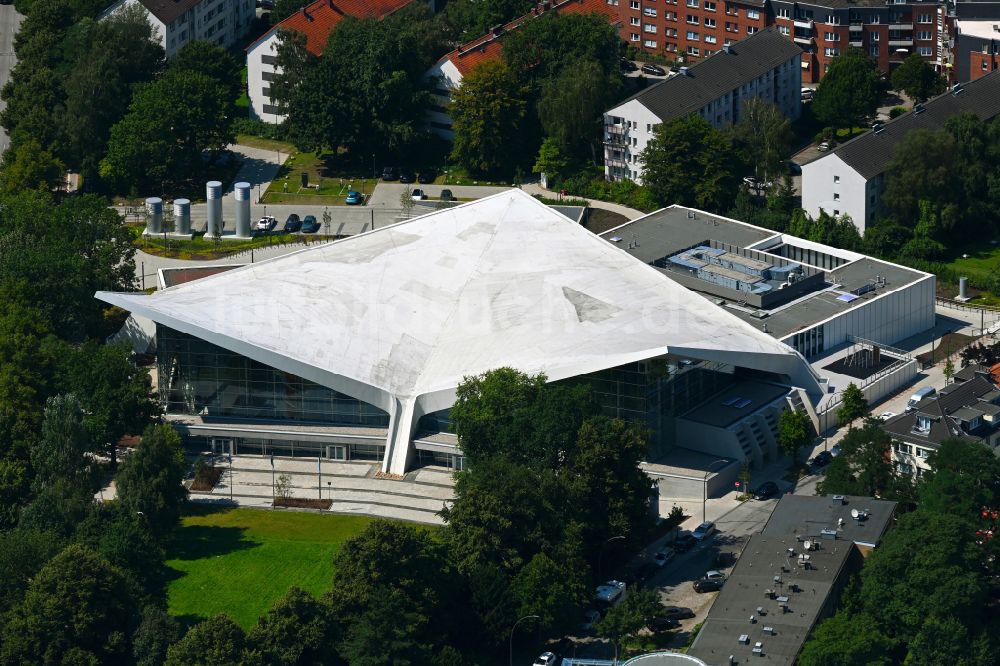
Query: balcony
x,y
615,162
619,130
803,23
901,42
616,140
856,43
900,26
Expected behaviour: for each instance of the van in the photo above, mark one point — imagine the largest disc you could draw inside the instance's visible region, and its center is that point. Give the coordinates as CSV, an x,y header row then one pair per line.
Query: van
x,y
918,395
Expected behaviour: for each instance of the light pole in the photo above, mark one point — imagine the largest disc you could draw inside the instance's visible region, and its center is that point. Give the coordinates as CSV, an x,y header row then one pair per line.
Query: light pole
x,y
511,645
704,488
600,556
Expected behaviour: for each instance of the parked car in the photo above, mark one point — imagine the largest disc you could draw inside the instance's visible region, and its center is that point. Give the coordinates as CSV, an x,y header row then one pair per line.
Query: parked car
x,y
266,223
418,194
292,224
609,594
664,556
822,459
546,659
406,176
354,198
309,224
684,542
677,613
918,395
590,618
714,575
627,65
766,490
807,94
703,531
658,624
389,173
654,70
794,168
885,416
702,585
446,195
823,146
426,176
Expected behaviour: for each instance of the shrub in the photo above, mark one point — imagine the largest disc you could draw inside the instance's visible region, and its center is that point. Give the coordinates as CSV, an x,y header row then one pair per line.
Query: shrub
x,y
260,129
896,112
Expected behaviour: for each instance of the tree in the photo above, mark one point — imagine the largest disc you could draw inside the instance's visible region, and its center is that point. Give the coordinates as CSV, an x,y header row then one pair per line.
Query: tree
x,y
917,78
121,537
853,405
156,632
387,630
551,161
688,162
949,370
626,619
553,44
218,641
848,92
763,137
170,124
486,114
296,630
149,480
571,106
60,457
864,466
22,554
921,169
204,57
468,19
78,607
554,591
31,167
794,432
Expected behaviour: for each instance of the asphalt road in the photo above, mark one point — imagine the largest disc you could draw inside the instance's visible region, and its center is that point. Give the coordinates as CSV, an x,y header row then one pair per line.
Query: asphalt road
x,y
10,21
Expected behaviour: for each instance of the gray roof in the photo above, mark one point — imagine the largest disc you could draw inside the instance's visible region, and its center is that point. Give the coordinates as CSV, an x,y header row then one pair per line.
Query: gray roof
x,y
871,153
168,10
810,591
945,410
716,412
718,74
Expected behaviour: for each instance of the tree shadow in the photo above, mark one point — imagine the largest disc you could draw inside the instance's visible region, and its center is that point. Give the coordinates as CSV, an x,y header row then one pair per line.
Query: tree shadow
x,y
197,542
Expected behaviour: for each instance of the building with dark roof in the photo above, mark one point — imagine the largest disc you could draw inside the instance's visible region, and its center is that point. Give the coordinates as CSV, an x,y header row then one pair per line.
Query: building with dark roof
x,y
449,71
789,577
969,410
764,66
315,21
178,22
850,179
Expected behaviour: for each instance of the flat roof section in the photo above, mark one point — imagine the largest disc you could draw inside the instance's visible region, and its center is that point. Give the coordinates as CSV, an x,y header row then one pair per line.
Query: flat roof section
x,y
735,403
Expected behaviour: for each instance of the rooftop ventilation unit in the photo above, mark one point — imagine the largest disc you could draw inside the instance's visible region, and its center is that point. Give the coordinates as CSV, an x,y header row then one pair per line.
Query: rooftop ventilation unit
x,y
957,89
828,534
685,71
878,128
918,109
839,500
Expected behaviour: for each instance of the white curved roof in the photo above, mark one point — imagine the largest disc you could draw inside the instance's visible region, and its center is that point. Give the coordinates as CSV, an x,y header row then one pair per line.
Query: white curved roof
x,y
411,309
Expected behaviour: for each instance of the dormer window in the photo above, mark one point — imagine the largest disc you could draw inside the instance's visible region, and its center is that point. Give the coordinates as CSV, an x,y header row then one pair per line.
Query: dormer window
x,y
922,424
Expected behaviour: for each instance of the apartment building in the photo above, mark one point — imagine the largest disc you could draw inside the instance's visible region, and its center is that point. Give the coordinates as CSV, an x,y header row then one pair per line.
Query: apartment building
x,y
764,66
976,39
688,30
850,179
177,22
316,21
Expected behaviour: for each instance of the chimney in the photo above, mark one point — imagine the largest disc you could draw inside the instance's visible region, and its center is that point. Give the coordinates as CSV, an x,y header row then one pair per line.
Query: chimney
x,y
305,13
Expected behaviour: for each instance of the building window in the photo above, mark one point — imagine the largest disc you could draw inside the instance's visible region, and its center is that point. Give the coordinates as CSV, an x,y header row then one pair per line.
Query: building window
x,y
831,36
832,19
692,36
925,51
836,196
924,35
693,50
986,66
268,76
924,18
710,39
922,424
633,4
634,20
650,43
753,14
751,29
783,12
730,27
709,6
692,19
783,29
634,36
710,23
831,53
649,27
669,16
268,60
874,36
836,179
692,3
649,11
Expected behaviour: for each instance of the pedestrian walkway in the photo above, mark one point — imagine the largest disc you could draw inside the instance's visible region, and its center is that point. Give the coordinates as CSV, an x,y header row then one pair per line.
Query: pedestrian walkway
x,y
352,487
630,213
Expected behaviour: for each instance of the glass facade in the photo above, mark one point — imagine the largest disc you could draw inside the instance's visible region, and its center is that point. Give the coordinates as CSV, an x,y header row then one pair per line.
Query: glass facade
x,y
196,377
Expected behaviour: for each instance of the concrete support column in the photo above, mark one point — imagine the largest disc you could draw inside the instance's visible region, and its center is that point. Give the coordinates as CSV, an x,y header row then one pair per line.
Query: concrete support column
x,y
403,419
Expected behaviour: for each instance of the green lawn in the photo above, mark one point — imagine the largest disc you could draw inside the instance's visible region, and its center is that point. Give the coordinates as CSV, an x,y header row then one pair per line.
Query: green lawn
x,y
240,561
981,261
202,248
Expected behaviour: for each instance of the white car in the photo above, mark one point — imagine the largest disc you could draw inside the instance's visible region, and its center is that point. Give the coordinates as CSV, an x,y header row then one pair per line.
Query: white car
x,y
823,147
418,194
704,530
715,575
267,223
546,659
885,416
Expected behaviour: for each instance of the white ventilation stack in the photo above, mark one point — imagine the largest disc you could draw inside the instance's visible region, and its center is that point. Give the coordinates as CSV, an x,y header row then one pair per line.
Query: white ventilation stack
x,y
213,197
242,192
182,216
154,215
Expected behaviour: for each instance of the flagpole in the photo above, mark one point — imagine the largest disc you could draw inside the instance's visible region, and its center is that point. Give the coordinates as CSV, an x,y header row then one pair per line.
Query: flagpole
x,y
319,488
272,481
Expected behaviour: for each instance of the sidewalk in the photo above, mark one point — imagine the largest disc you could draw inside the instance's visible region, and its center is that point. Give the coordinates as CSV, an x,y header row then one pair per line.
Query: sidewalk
x,y
630,213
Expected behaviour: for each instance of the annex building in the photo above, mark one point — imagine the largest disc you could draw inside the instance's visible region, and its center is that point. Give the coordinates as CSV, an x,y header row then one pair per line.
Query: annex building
x,y
354,349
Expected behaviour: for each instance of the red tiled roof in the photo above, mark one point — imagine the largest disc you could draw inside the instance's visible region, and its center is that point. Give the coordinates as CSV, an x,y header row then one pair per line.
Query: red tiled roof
x,y
468,56
318,19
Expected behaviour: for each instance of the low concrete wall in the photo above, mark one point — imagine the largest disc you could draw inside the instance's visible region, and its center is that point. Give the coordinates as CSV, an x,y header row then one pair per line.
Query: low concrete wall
x,y
874,392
